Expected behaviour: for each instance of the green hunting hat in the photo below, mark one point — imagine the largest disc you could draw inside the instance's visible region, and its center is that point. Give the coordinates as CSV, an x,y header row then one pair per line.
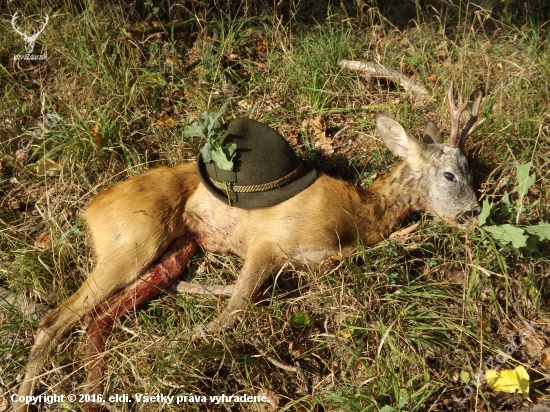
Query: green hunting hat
x,y
266,171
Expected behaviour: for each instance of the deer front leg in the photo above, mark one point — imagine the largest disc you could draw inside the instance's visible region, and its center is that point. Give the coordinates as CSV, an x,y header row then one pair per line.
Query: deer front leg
x,y
101,319
258,267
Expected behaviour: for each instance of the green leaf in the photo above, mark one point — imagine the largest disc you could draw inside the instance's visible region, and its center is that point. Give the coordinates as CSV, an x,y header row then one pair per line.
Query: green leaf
x,y
230,150
485,212
524,180
542,230
532,244
465,377
505,210
194,130
205,152
216,133
388,408
300,319
502,212
220,157
214,119
403,398
508,234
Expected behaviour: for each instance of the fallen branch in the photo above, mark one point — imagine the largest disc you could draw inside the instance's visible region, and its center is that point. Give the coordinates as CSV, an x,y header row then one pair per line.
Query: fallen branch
x,y
417,92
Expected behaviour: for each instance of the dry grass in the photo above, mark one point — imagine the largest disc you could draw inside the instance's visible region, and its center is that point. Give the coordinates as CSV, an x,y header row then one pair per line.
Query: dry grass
x,y
406,315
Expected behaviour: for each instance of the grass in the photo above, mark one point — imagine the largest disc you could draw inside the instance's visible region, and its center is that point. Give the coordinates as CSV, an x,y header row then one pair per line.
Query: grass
x,y
405,316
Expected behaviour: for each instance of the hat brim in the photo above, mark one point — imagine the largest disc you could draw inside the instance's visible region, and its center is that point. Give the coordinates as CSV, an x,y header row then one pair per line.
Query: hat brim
x,y
307,176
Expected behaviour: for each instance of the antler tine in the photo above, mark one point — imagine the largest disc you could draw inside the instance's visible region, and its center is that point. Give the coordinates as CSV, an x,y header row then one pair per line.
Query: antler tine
x,y
455,116
473,123
13,19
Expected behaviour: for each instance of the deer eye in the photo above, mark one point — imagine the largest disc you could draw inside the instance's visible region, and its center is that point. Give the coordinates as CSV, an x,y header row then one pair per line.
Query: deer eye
x,y
449,176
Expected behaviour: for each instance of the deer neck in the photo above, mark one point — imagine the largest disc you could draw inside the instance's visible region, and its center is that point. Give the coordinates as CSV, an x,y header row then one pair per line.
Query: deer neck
x,y
388,201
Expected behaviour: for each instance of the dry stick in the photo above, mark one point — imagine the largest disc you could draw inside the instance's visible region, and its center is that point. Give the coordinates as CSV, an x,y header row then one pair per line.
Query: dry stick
x,y
418,92
189,287
404,232
279,364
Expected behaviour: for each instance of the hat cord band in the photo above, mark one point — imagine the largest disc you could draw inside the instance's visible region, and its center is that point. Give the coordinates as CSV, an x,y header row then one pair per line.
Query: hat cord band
x,y
260,188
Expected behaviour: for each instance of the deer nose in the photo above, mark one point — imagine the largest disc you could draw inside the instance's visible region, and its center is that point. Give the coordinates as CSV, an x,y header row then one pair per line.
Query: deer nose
x,y
476,208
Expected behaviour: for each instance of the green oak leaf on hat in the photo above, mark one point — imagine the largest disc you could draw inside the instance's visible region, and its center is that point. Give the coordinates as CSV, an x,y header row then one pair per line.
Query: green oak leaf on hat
x,y
266,171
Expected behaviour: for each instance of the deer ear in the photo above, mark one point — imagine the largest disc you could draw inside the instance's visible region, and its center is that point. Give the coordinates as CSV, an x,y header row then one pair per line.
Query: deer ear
x,y
431,133
395,136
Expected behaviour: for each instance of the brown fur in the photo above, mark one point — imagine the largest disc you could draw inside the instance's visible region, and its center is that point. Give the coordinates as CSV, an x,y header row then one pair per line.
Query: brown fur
x,y
134,222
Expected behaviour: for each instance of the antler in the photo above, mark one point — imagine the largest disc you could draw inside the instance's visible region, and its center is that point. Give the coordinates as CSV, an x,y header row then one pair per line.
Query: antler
x,y
15,27
473,123
25,35
456,113
455,116
36,33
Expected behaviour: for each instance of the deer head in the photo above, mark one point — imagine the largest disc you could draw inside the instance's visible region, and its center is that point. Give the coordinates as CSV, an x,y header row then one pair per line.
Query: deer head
x,y
29,40
441,175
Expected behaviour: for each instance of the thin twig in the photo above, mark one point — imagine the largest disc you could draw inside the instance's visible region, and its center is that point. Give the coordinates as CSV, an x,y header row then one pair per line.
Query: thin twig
x,y
279,364
404,232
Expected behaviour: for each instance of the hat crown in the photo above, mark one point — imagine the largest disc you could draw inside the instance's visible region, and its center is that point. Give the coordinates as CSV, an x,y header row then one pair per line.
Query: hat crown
x,y
262,155
266,171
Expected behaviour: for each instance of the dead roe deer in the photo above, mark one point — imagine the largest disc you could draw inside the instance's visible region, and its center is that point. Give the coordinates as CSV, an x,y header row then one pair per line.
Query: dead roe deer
x,y
145,229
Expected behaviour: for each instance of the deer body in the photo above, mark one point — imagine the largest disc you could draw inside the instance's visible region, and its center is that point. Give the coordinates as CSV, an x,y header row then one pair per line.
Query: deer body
x,y
298,227
135,221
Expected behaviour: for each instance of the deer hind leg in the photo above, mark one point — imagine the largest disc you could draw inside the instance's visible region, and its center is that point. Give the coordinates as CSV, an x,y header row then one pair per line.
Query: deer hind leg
x,y
119,265
54,325
100,285
101,319
131,224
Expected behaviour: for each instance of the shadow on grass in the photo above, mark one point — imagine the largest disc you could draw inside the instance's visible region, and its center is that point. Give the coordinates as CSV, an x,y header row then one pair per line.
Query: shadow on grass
x,y
400,14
